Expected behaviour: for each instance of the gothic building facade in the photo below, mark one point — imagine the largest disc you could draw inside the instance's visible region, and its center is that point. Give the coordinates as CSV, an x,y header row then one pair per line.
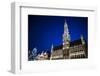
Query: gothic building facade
x,y
69,50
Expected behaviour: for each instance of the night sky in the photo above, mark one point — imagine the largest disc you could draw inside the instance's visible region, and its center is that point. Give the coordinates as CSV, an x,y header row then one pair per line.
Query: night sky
x,y
43,31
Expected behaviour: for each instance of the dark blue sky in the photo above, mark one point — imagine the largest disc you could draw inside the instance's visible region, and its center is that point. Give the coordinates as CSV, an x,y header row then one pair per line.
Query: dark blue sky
x,y
43,31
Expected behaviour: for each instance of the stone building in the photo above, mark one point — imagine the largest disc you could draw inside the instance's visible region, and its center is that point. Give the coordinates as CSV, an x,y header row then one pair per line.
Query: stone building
x,y
69,50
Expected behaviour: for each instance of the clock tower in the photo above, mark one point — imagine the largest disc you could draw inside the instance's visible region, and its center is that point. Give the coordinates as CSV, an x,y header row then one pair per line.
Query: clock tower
x,y
66,41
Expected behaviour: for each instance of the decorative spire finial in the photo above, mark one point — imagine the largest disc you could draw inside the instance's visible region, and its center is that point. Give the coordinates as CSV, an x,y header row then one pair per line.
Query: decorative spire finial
x,y
52,48
51,51
82,39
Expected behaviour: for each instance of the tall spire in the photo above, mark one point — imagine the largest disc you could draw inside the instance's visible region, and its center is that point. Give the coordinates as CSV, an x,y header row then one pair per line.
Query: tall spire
x,y
66,31
52,48
82,39
51,52
66,41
